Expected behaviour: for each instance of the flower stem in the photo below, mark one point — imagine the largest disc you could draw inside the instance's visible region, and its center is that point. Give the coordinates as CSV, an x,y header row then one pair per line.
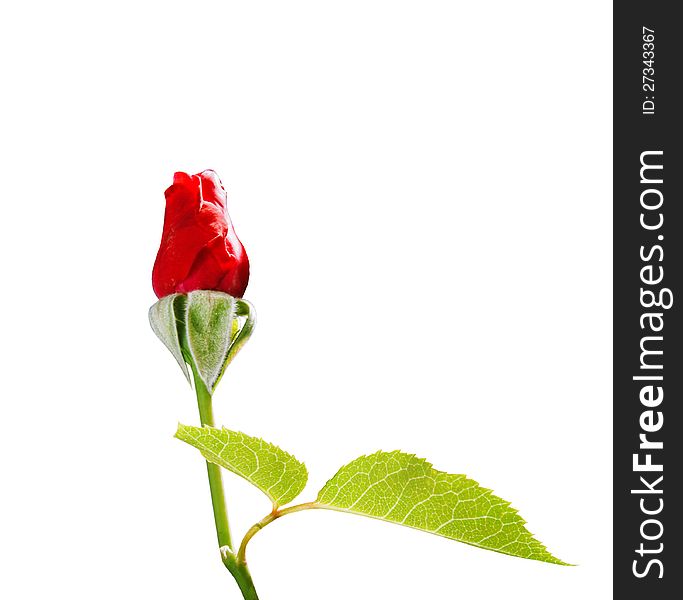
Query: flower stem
x,y
220,513
242,576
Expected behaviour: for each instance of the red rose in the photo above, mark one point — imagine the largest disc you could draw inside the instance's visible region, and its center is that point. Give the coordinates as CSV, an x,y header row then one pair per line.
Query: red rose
x,y
199,248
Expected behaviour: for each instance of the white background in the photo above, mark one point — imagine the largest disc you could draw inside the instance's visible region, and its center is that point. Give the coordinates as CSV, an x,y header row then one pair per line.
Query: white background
x,y
424,190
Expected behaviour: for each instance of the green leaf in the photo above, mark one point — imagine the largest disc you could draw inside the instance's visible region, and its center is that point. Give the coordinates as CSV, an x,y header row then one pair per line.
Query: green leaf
x,y
401,488
275,472
162,318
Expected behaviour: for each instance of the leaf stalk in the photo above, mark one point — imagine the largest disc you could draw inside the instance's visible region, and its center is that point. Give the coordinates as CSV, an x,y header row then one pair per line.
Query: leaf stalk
x,y
275,514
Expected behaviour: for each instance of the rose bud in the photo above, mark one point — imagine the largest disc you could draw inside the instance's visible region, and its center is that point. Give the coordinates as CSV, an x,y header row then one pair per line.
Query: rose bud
x,y
199,248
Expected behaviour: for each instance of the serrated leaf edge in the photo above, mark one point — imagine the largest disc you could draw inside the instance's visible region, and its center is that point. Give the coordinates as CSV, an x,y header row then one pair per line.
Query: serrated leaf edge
x,y
485,492
219,461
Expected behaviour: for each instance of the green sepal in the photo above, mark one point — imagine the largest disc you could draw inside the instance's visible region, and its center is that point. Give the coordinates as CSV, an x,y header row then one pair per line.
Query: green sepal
x,y
204,329
162,318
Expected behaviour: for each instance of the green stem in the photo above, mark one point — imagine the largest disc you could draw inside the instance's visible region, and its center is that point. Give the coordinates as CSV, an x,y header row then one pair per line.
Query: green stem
x,y
242,576
220,513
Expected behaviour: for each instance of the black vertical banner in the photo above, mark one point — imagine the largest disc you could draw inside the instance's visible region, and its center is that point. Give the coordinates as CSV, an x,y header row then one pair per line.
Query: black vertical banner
x,y
648,300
